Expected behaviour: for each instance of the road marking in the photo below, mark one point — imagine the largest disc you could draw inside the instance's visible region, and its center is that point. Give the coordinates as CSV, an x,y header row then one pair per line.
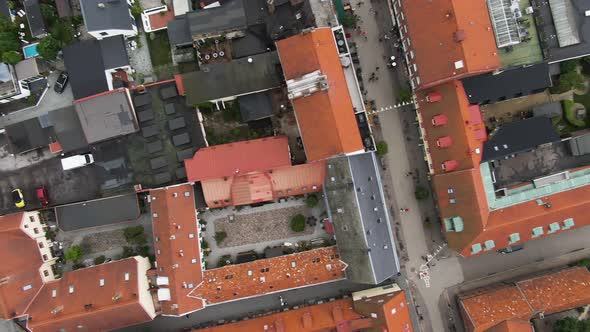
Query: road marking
x,y
390,107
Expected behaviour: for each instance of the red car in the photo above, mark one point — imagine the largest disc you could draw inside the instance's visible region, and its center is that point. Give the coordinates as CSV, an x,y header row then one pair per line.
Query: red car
x,y
42,195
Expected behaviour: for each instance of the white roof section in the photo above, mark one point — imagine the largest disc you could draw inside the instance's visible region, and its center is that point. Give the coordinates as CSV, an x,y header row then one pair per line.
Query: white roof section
x,y
504,14
564,21
164,294
160,280
180,7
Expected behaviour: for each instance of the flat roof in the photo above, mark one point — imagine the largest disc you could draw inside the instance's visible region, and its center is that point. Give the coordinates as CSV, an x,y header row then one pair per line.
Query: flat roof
x,y
255,106
68,129
229,16
509,84
106,115
98,212
361,221
34,17
111,15
229,79
28,135
509,140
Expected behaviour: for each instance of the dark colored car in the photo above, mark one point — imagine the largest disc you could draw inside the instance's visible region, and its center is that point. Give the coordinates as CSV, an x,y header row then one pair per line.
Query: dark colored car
x,y
511,249
42,195
62,82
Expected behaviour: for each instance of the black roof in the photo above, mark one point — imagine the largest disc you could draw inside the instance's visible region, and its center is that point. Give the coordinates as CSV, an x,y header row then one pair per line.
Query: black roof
x,y
98,212
255,106
68,129
4,9
178,32
229,16
519,136
514,83
199,196
86,62
254,41
35,18
28,135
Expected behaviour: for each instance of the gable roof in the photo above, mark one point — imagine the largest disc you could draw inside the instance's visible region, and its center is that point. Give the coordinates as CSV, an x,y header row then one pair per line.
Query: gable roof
x,y
444,32
243,157
106,15
34,18
325,118
229,16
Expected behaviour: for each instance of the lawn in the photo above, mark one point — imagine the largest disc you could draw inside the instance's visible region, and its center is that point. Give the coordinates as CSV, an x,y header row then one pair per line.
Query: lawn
x,y
159,48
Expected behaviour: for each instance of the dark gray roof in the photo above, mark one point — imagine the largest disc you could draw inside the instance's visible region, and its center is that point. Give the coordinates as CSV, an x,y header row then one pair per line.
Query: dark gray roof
x,y
229,16
272,252
548,110
64,9
254,41
68,129
519,136
28,135
114,52
358,211
98,212
106,14
199,196
578,20
36,24
86,62
255,106
178,32
514,83
580,143
4,9
235,78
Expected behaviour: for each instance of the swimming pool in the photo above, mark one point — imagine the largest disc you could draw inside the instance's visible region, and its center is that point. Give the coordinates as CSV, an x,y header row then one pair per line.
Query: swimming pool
x,y
30,51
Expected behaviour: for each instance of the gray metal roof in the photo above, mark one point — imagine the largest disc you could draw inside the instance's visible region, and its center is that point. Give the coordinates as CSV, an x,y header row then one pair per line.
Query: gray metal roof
x,y
361,221
229,16
106,116
178,32
235,78
580,144
106,14
114,52
36,24
98,212
548,110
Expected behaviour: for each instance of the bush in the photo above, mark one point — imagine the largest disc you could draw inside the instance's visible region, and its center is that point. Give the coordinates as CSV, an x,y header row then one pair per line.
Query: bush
x,y
11,57
220,236
570,324
50,235
74,254
349,20
143,251
404,96
568,66
127,252
49,13
206,107
99,260
298,223
205,245
382,148
48,48
135,235
224,260
78,266
570,116
311,200
421,193
568,81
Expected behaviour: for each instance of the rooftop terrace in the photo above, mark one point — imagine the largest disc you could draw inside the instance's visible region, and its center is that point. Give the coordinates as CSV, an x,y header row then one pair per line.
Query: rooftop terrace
x,y
529,50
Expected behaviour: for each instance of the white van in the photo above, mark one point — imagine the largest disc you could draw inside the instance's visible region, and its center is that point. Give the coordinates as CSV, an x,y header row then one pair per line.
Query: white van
x,y
80,160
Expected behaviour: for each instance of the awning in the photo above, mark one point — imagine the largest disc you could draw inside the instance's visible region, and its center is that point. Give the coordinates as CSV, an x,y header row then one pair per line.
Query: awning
x,y
444,142
439,120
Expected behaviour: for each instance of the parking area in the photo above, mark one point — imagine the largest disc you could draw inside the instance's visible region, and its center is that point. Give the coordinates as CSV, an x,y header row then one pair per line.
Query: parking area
x,y
64,187
98,212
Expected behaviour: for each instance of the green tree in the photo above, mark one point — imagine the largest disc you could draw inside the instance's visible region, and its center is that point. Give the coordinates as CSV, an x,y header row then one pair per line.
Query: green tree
x,y
127,252
568,81
421,193
312,200
74,254
404,96
48,48
135,235
11,57
49,13
570,324
99,260
63,32
382,148
349,21
298,223
568,66
220,236
8,42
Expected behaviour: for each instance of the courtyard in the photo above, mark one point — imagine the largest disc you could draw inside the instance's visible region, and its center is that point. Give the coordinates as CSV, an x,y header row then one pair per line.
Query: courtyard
x,y
237,230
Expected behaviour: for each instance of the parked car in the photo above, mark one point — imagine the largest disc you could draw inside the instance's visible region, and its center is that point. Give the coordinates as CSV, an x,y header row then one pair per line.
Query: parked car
x,y
62,82
18,198
80,160
511,249
42,195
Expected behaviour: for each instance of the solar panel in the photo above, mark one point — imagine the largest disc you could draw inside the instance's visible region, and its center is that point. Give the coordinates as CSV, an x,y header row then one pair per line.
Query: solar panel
x,y
504,22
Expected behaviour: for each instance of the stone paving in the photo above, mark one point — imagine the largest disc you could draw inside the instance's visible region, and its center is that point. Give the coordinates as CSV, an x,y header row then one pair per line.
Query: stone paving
x,y
140,60
260,226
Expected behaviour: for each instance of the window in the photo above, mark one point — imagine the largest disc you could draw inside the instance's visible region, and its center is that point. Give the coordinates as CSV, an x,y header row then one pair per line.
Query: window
x,y
452,200
450,190
101,282
411,54
104,33
489,245
54,293
476,248
46,273
32,219
71,289
194,260
127,276
537,231
553,227
36,230
187,194
568,223
454,224
45,257
191,235
27,287
513,238
155,215
41,245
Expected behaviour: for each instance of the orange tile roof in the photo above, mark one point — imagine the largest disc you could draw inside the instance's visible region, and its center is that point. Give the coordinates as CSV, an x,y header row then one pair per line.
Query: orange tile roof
x,y
550,293
446,31
238,158
78,299
21,261
177,246
326,118
512,326
264,186
264,276
159,20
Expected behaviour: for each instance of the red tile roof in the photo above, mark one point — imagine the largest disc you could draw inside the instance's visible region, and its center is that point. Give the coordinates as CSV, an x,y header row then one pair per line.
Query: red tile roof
x,y
550,293
238,158
444,32
264,186
78,300
326,118
21,261
177,246
512,326
160,20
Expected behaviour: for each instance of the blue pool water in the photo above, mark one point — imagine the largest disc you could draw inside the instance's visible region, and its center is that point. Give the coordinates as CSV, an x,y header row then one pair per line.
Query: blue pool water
x,y
30,51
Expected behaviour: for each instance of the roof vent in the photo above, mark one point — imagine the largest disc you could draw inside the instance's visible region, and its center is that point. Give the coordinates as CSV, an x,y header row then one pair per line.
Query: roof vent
x,y
459,36
101,5
250,60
